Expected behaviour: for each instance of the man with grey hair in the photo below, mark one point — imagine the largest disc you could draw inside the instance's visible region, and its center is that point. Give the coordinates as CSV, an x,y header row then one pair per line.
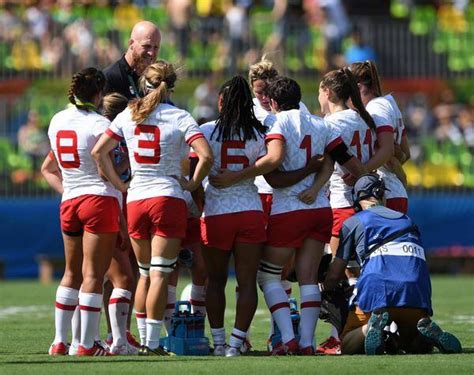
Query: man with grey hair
x,y
143,46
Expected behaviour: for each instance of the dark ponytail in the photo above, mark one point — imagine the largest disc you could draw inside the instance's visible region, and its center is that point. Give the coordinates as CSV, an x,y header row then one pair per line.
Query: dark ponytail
x,y
342,86
367,74
357,100
85,85
237,116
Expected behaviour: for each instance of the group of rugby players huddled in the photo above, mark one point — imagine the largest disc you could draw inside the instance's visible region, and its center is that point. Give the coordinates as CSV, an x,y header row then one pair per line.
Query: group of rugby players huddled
x,y
267,181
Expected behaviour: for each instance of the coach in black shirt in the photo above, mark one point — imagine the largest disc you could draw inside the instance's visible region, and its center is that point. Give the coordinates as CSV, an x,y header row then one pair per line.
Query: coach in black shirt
x,y
143,46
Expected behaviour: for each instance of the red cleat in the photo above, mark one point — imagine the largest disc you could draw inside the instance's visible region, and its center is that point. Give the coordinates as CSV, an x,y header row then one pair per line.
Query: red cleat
x,y
95,351
58,349
331,346
309,350
289,348
132,340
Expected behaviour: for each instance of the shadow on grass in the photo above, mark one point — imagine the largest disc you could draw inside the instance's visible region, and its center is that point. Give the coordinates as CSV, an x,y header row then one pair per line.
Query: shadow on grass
x,y
157,359
108,360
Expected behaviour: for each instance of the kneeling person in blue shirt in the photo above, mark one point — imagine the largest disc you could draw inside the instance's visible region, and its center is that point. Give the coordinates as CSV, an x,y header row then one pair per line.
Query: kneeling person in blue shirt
x,y
394,284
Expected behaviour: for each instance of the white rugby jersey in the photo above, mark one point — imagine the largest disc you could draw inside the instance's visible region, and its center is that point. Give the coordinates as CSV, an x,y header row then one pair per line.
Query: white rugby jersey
x,y
305,136
155,149
385,111
360,140
267,118
233,155
73,134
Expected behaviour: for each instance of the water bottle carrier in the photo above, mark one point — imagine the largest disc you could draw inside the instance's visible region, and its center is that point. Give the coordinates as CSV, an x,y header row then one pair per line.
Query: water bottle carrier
x,y
186,336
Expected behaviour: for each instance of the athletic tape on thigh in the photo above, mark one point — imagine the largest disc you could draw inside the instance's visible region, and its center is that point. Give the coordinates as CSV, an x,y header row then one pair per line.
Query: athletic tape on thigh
x,y
268,272
144,269
163,264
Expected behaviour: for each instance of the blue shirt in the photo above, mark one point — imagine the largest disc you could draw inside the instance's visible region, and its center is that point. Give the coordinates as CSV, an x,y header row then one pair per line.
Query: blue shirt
x,y
394,275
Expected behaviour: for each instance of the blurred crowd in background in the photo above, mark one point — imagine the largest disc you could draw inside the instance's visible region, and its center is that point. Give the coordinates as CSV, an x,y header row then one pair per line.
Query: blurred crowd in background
x,y
213,39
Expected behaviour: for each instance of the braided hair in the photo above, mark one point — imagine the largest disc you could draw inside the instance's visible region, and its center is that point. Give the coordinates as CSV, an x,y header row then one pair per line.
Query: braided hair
x,y
342,86
85,85
237,117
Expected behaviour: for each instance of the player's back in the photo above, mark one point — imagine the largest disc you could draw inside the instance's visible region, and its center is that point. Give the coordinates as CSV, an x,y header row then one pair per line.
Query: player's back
x,y
360,140
155,147
399,126
305,136
233,155
386,109
73,133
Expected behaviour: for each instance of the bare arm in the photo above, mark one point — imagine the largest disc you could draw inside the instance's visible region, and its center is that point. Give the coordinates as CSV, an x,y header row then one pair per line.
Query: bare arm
x,y
396,167
100,153
281,179
269,162
309,195
198,194
51,173
202,167
402,152
383,153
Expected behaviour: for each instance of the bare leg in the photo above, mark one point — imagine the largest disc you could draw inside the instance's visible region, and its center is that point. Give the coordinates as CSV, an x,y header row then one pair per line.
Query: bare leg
x,y
217,263
247,260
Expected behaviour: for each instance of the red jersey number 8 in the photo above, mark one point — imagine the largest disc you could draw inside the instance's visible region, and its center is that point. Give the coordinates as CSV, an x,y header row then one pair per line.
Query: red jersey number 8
x,y
66,144
153,144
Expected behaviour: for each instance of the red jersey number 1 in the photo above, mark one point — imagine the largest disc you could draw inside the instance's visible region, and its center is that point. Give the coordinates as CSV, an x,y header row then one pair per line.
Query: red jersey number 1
x,y
153,144
306,145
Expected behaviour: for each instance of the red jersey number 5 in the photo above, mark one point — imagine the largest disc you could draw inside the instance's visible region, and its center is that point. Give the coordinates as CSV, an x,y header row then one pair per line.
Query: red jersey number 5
x,y
227,159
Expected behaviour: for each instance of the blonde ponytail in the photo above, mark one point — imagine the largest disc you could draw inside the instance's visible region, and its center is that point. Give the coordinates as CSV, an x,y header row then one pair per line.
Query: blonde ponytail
x,y
160,75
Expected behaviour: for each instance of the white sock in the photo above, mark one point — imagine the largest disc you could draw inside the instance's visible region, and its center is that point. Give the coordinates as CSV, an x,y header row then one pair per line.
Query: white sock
x,y
287,286
237,337
169,307
141,326
334,332
90,304
66,302
153,330
198,299
218,336
119,305
309,313
76,327
97,329
277,302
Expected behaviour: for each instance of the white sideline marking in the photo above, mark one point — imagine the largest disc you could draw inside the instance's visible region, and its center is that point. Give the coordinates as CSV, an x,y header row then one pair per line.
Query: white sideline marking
x,y
6,312
463,319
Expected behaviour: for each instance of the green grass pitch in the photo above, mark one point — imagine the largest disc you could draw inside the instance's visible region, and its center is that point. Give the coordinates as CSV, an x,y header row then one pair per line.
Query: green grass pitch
x,y
27,328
